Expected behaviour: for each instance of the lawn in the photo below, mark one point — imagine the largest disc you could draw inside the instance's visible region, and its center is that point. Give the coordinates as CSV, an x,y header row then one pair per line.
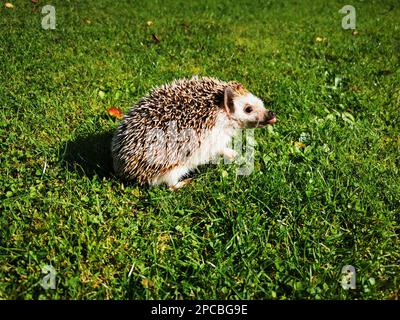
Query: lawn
x,y
324,192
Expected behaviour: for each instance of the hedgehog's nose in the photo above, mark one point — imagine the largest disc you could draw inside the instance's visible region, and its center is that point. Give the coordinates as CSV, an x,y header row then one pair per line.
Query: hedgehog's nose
x,y
270,117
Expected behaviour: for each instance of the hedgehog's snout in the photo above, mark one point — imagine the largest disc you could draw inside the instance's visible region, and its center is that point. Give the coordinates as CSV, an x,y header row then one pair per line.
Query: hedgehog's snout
x,y
270,117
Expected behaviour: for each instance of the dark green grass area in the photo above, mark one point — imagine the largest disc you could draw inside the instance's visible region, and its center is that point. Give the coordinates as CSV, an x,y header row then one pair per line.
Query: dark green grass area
x,y
324,192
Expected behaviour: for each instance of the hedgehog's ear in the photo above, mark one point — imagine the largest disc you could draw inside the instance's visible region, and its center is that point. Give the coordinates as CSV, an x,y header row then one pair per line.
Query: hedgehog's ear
x,y
229,95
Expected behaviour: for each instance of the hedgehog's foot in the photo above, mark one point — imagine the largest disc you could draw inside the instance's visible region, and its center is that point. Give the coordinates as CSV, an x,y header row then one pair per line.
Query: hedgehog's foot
x,y
229,153
180,184
171,178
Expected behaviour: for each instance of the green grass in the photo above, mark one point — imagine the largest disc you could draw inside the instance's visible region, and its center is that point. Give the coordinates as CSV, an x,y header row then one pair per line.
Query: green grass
x,y
285,231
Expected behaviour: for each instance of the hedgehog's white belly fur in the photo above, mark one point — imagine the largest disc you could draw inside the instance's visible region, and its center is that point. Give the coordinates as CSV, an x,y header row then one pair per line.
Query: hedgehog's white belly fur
x,y
214,143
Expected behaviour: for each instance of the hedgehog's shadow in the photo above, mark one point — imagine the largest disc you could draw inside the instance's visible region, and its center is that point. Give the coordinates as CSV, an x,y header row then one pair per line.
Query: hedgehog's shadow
x,y
89,155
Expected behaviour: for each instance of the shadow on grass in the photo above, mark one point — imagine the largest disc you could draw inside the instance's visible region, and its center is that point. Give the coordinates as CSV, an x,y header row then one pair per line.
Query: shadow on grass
x,y
90,155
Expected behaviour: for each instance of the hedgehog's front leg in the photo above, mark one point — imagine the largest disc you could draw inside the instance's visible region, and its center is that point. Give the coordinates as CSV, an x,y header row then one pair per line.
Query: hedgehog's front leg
x,y
229,153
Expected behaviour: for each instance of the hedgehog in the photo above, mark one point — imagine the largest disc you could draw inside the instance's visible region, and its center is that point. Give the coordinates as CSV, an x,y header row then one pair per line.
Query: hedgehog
x,y
181,125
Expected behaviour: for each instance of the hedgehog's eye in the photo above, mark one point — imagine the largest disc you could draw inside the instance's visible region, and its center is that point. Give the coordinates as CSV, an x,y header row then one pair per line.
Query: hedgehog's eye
x,y
248,109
